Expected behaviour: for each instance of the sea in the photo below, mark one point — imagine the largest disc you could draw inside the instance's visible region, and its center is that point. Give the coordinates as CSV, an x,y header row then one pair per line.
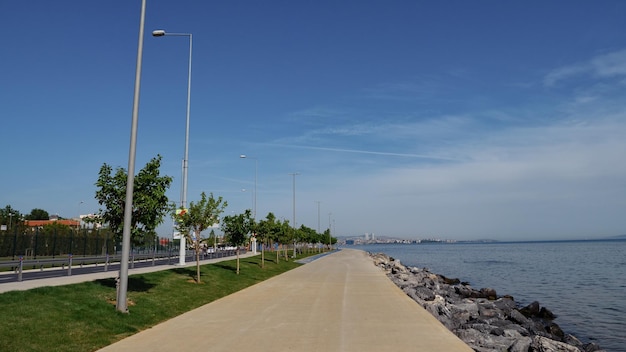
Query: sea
x,y
582,282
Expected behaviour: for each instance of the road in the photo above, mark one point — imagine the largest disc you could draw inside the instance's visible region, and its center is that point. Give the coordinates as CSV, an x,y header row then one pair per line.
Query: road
x,y
9,280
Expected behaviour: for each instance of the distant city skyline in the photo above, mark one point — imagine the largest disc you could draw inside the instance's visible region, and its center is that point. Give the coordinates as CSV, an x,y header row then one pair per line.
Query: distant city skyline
x,y
467,120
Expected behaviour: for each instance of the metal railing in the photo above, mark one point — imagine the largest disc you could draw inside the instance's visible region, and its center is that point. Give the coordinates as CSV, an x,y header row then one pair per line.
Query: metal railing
x,y
19,266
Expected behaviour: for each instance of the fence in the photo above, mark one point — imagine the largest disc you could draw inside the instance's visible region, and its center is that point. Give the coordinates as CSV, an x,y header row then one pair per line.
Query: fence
x,y
51,242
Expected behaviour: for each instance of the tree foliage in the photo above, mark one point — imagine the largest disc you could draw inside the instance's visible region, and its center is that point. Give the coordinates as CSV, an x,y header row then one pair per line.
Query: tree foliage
x,y
38,214
150,204
236,229
265,231
9,216
200,216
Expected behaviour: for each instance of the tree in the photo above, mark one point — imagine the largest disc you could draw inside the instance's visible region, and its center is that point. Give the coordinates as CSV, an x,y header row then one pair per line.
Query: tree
x,y
329,239
38,214
199,217
265,231
284,236
150,204
307,236
212,239
236,228
10,217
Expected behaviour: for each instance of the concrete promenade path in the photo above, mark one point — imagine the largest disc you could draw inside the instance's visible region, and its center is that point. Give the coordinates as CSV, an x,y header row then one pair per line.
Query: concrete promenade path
x,y
340,302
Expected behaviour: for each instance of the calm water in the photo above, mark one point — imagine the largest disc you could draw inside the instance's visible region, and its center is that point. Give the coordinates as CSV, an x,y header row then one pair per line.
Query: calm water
x,y
582,282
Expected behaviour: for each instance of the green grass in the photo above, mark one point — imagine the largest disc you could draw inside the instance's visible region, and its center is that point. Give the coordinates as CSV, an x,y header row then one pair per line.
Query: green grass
x,y
82,317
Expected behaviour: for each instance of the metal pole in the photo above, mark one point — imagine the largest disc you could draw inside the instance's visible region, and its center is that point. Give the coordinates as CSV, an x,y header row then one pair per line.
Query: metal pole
x,y
256,171
329,234
121,304
294,211
186,160
318,215
183,201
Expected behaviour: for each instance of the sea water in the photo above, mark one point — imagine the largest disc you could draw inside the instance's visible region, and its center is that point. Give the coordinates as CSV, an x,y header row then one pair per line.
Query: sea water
x,y
582,282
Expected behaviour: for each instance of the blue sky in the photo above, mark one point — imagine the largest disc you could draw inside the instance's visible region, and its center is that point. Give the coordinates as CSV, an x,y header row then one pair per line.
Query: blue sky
x,y
415,119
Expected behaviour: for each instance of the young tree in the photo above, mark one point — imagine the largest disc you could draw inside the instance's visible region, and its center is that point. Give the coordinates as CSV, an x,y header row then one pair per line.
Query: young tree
x,y
236,229
285,236
150,204
329,239
265,231
199,217
212,239
308,236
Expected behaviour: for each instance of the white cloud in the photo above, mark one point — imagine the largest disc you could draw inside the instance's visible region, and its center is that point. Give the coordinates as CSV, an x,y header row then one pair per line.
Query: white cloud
x,y
557,181
602,66
608,65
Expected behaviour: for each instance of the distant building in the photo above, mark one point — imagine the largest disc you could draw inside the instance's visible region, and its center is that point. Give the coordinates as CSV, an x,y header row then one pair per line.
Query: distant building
x,y
36,223
53,220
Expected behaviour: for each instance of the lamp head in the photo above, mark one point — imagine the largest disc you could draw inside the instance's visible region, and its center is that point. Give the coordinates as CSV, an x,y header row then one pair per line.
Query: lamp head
x,y
158,33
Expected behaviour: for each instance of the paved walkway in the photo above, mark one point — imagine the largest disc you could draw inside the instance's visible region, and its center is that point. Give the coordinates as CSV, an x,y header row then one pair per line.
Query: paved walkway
x,y
340,302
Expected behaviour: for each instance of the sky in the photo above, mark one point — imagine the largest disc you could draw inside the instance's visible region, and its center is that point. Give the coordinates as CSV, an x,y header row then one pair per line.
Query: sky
x,y
413,119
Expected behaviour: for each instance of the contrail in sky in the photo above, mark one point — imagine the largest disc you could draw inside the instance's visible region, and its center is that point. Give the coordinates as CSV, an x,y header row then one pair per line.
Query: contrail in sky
x,y
422,156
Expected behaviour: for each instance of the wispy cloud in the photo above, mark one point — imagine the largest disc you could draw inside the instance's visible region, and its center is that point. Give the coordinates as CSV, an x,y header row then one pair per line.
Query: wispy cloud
x,y
602,66
564,177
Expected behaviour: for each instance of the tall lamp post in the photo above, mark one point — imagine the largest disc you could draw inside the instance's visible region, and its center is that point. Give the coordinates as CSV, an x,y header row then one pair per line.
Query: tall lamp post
x,y
121,304
251,194
329,232
294,174
318,222
256,170
318,215
183,193
79,218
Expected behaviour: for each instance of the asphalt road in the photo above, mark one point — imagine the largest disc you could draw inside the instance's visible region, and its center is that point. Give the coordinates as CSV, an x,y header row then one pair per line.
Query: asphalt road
x,y
58,276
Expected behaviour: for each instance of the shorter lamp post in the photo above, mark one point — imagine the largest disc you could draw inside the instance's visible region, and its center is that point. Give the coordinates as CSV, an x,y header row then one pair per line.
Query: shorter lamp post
x,y
256,169
183,196
294,174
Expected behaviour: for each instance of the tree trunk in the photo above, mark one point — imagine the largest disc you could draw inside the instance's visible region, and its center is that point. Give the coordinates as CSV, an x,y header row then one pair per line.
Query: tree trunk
x,y
197,263
262,255
237,260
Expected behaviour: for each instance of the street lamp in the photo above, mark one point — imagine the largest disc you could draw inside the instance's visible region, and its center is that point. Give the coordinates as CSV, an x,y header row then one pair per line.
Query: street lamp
x,y
318,215
183,195
294,174
256,169
329,232
79,218
121,304
251,194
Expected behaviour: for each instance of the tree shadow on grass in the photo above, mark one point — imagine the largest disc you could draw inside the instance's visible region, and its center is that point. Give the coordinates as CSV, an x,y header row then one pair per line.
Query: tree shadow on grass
x,y
225,267
135,284
190,271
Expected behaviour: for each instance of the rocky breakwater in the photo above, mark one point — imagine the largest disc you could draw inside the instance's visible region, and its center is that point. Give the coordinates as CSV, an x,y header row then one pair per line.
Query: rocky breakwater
x,y
482,319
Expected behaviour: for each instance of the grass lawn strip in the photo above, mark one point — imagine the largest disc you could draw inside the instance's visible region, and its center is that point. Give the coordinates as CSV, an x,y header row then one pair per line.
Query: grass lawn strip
x,y
82,317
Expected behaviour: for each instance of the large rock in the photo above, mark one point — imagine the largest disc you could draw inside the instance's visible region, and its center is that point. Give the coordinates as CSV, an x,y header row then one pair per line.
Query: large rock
x,y
544,344
484,321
